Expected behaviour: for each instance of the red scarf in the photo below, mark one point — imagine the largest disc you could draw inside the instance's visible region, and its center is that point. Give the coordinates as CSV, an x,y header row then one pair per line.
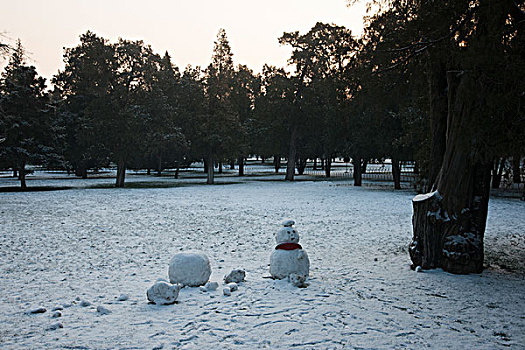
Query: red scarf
x,y
289,246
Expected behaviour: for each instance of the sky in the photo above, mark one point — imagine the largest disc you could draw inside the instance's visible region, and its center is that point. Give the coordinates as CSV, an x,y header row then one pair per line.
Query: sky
x,y
186,29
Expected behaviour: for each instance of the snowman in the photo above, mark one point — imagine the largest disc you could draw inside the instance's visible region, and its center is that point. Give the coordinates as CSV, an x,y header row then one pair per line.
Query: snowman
x,y
289,260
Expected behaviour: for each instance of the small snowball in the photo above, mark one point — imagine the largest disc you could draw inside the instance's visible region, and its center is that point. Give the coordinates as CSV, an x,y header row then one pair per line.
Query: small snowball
x,y
55,326
85,303
298,280
163,293
233,286
56,314
189,269
102,310
288,223
39,310
211,286
419,269
226,291
236,276
123,297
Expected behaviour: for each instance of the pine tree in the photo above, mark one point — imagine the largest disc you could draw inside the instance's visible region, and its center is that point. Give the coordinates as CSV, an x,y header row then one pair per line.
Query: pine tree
x,y
25,125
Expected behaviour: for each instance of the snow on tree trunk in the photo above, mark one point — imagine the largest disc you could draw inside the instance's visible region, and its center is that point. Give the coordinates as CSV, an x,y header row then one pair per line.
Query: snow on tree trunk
x,y
449,223
290,165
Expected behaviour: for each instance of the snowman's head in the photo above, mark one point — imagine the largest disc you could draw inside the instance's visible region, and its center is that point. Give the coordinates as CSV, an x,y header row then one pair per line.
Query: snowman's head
x,y
287,235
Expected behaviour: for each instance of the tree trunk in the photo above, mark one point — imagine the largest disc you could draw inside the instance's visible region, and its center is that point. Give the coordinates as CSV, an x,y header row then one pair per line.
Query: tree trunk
x,y
497,172
205,162
210,180
148,171
220,167
437,83
241,166
159,166
81,171
323,164
328,167
276,163
290,165
301,165
449,223
396,173
516,170
177,171
15,172
22,175
358,176
121,173
315,164
364,166
232,164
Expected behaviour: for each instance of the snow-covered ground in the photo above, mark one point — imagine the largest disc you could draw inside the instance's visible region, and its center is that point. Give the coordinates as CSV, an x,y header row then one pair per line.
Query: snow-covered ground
x,y
82,248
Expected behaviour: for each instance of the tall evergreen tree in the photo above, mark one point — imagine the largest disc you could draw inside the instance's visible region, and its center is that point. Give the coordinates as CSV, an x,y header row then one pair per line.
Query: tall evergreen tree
x,y
25,125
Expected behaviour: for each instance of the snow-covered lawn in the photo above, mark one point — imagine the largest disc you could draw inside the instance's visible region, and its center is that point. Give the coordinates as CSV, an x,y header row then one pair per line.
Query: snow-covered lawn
x,y
80,249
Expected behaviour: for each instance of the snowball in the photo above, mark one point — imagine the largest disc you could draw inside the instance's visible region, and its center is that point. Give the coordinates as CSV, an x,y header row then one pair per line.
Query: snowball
x,y
236,276
285,262
419,269
123,297
298,280
189,269
288,223
102,310
85,303
56,314
233,286
39,310
211,286
226,291
55,326
163,293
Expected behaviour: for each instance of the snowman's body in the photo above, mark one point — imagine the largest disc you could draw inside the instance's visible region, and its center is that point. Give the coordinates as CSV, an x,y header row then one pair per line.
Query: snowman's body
x,y
288,256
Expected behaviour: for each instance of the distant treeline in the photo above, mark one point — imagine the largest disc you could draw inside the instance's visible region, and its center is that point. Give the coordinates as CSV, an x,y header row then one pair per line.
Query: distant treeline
x,y
384,95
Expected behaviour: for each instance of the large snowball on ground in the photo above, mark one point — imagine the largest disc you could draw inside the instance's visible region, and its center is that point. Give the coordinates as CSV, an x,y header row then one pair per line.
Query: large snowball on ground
x,y
189,269
163,293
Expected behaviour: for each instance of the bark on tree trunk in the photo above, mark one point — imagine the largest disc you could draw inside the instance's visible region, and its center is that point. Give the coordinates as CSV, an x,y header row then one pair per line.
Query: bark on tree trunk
x,y
328,167
121,173
205,162
220,167
210,179
290,165
449,224
516,171
232,164
241,166
437,83
148,171
396,173
15,172
358,176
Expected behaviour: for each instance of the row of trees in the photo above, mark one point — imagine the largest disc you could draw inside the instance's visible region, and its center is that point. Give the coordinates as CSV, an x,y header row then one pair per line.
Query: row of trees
x,y
440,83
